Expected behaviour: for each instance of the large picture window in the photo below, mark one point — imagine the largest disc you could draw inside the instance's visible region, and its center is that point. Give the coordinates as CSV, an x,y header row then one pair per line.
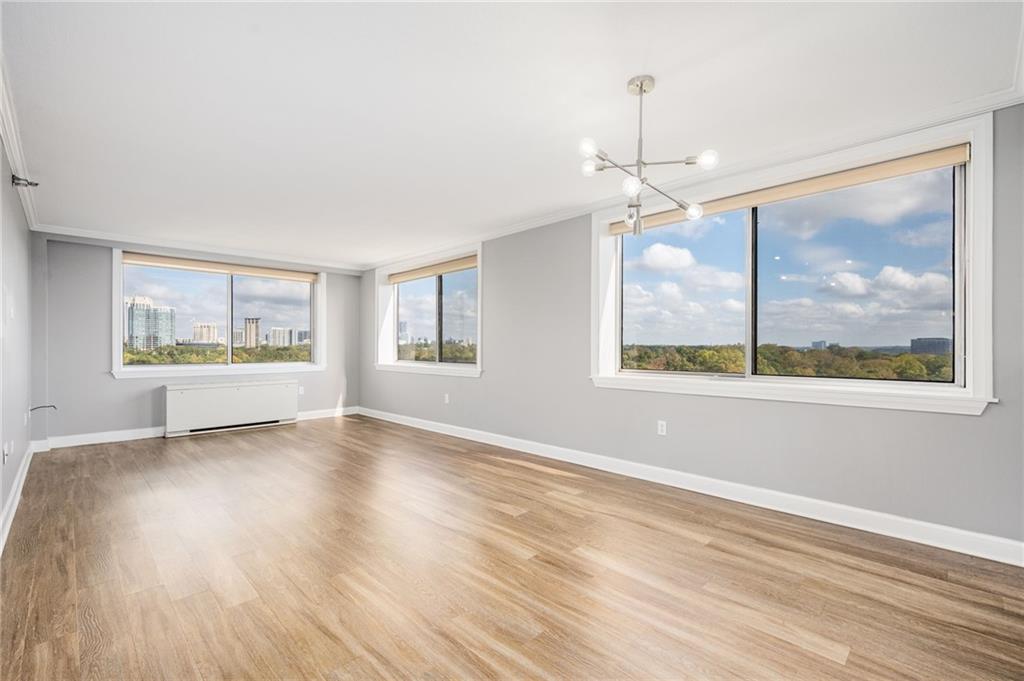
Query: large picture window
x,y
204,314
437,313
868,283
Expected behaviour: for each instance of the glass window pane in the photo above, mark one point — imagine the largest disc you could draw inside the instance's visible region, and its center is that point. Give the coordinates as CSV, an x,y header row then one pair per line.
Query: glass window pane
x,y
271,320
173,316
458,316
858,282
683,296
417,320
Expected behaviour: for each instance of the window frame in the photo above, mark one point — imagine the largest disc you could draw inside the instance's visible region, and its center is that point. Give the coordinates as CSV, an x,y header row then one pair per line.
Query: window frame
x,y
386,313
119,370
972,388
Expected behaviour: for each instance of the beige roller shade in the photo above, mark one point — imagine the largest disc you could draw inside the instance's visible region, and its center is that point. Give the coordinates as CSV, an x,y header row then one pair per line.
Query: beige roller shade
x,y
930,160
457,265
218,267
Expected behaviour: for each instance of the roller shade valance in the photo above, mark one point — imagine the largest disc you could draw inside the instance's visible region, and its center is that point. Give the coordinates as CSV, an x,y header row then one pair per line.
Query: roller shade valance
x,y
456,265
929,160
217,267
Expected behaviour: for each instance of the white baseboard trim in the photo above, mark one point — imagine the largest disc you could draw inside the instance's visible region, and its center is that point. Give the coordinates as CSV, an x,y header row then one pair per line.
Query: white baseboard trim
x,y
988,546
326,413
11,504
157,431
57,441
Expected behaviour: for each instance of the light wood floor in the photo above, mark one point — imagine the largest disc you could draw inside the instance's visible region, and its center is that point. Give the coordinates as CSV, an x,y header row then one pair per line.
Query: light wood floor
x,y
355,549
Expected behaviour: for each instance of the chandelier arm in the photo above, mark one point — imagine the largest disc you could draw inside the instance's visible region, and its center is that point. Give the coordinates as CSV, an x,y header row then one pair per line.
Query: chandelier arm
x,y
689,161
621,167
682,204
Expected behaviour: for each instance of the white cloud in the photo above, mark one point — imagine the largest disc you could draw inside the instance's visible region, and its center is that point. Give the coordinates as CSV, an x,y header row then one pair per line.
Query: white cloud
x,y
733,305
706,278
878,203
938,233
695,229
849,284
665,258
896,278
825,259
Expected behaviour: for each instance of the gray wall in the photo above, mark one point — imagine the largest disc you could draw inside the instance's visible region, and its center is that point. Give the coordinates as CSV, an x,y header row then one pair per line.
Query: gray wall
x,y
17,346
960,471
78,335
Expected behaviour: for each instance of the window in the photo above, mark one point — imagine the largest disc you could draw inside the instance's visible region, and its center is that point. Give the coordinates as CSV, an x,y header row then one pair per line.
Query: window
x,y
684,296
437,313
428,317
207,315
858,282
849,285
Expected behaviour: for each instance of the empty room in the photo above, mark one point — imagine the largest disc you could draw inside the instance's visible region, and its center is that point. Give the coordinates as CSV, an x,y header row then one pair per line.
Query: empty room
x,y
579,341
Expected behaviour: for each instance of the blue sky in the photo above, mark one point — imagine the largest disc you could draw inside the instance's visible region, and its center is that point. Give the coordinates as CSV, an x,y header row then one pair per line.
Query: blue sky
x,y
202,297
864,266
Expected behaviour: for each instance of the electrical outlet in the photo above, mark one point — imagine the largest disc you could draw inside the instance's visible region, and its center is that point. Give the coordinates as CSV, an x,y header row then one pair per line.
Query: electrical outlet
x,y
447,400
302,390
7,452
662,428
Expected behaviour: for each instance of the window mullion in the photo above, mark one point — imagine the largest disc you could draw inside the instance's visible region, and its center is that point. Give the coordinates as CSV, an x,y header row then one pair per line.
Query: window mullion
x,y
229,338
439,308
751,307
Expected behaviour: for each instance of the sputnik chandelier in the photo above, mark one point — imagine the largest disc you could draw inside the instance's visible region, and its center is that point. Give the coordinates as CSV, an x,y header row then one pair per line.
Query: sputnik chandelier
x,y
633,185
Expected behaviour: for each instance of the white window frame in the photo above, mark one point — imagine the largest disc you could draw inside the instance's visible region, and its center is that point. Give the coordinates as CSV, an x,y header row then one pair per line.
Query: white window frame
x,y
970,396
318,333
386,315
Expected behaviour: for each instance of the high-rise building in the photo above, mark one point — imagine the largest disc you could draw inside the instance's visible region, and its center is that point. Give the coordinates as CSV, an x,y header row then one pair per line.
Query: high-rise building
x,y
252,332
279,336
301,336
204,332
237,337
819,345
931,346
147,326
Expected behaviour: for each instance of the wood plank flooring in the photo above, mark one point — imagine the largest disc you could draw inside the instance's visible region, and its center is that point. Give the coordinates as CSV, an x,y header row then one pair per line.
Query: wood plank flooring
x,y
351,548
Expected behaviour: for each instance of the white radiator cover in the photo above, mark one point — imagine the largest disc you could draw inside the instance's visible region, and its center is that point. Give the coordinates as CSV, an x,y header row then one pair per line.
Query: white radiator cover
x,y
202,407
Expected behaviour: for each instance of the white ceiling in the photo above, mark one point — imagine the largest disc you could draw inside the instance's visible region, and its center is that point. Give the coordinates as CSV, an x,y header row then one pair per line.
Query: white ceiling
x,y
349,135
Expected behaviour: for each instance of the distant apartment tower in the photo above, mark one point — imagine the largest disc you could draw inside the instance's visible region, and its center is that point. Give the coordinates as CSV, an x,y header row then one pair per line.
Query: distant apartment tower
x,y
931,346
237,337
252,332
819,345
279,336
147,326
301,336
204,332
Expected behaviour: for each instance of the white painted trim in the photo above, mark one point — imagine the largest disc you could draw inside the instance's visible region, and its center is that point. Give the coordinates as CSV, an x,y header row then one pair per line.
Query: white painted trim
x,y
11,505
971,398
119,371
103,437
57,441
9,131
326,413
1000,549
437,368
385,354
174,246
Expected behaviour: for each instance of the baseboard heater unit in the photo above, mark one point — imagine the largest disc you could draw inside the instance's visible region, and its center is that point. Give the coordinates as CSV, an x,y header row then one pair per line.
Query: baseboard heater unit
x,y
208,407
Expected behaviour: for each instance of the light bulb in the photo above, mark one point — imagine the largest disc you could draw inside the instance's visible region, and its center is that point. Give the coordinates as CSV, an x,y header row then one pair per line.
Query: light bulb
x,y
588,147
695,211
631,186
708,159
589,168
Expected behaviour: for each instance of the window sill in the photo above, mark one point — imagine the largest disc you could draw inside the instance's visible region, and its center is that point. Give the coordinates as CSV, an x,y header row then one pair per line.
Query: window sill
x,y
467,370
923,398
152,371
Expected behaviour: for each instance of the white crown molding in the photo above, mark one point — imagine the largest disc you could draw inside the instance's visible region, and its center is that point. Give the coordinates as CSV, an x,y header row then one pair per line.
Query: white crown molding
x,y
183,248
12,144
988,546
